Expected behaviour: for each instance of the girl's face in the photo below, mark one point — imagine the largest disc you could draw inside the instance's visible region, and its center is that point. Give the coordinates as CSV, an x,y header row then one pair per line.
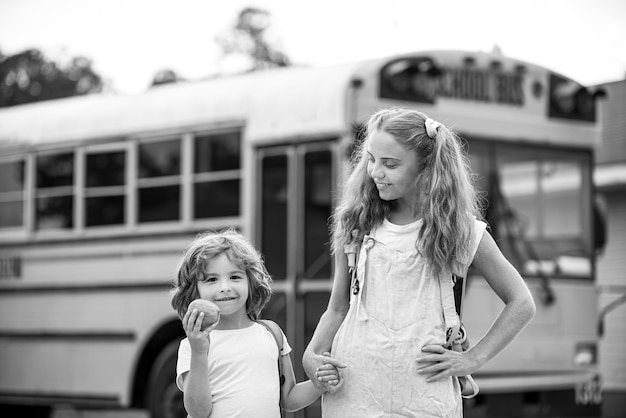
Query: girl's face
x,y
226,285
393,168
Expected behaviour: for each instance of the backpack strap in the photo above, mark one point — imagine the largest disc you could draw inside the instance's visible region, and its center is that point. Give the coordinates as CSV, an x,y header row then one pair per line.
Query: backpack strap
x,y
457,337
459,293
275,330
456,330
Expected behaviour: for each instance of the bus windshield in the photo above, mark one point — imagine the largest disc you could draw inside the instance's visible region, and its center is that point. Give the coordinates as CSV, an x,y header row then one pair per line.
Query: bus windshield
x,y
539,206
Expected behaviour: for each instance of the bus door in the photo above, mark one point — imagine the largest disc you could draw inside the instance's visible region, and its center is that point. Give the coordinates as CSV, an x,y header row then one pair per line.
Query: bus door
x,y
295,187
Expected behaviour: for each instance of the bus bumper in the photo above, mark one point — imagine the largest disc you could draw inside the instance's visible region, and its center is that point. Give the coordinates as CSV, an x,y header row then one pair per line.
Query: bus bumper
x,y
570,394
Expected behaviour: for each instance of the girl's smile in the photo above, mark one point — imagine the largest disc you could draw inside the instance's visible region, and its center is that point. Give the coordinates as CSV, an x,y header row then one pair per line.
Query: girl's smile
x,y
392,167
225,299
225,284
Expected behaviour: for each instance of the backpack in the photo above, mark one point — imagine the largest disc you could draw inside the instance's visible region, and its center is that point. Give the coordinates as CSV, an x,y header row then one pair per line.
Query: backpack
x,y
275,330
457,338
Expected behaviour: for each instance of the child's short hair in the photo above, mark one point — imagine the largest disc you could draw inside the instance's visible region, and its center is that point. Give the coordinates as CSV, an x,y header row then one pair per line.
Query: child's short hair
x,y
239,251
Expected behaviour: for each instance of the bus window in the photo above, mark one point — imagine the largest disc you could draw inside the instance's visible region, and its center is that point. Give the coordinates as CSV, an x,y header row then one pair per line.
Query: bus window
x,y
218,152
274,214
217,198
480,165
159,181
217,175
562,185
315,303
317,209
12,194
276,309
105,193
54,191
519,182
547,193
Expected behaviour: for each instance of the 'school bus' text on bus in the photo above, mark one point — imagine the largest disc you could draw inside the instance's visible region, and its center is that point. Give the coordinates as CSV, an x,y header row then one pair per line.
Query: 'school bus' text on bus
x,y
99,196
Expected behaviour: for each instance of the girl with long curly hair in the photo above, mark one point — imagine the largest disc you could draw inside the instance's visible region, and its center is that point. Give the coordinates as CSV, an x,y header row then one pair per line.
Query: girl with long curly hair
x,y
411,213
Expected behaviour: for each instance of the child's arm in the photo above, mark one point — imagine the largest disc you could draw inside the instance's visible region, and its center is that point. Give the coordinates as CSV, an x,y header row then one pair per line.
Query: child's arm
x,y
197,394
329,373
296,396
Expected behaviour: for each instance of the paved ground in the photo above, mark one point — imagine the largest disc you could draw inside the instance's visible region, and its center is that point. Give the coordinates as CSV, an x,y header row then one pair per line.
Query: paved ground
x,y
68,412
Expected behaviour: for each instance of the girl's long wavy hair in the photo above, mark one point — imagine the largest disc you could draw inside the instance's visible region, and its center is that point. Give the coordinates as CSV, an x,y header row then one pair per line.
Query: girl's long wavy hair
x,y
448,200
240,251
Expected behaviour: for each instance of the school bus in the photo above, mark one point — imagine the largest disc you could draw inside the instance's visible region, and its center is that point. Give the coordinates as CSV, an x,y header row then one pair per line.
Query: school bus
x,y
100,195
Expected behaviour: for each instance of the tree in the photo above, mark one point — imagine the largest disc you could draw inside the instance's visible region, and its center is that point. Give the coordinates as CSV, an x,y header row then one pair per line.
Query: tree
x,y
248,38
29,77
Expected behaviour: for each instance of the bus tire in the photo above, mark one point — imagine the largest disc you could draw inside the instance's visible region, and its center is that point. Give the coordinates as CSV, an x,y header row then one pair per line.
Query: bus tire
x,y
163,398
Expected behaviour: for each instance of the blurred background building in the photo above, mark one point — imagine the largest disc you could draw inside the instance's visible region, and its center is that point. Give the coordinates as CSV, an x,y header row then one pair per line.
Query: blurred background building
x,y
610,179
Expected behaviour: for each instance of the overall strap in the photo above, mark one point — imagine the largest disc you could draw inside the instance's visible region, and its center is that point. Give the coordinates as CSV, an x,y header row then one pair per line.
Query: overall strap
x,y
352,253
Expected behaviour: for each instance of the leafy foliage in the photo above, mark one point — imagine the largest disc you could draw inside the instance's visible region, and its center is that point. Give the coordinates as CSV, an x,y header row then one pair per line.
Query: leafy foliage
x,y
248,38
165,76
29,77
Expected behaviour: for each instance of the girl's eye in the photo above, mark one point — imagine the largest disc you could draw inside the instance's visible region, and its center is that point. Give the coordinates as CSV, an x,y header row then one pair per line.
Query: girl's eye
x,y
209,279
236,278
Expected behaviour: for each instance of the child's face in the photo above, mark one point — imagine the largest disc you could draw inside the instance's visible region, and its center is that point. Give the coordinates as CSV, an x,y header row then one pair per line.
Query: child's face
x,y
226,285
393,168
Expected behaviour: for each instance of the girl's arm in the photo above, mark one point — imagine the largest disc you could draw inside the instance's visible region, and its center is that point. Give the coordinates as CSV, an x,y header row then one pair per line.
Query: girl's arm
x,y
438,363
510,287
197,394
329,323
296,396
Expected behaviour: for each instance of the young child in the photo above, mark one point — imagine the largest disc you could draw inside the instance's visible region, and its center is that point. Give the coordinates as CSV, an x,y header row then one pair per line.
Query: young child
x,y
410,202
230,369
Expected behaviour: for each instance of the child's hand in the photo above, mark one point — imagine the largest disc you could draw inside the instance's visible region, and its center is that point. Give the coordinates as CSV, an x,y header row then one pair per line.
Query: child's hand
x,y
198,338
328,374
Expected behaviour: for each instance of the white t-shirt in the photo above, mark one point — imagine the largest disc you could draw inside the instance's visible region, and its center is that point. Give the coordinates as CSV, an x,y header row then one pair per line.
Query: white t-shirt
x,y
401,237
243,372
398,237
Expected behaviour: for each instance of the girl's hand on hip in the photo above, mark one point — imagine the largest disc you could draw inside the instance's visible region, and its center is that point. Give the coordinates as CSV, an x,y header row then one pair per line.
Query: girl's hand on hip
x,y
198,338
438,363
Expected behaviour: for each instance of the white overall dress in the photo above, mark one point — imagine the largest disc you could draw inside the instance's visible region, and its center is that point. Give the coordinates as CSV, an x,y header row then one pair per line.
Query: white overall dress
x,y
399,308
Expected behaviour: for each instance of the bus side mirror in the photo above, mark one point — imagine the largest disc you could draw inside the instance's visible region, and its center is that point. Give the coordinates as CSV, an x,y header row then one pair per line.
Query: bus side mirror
x,y
600,229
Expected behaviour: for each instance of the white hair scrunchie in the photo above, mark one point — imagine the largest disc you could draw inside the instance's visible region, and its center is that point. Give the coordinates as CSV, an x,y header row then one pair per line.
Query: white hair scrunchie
x,y
431,127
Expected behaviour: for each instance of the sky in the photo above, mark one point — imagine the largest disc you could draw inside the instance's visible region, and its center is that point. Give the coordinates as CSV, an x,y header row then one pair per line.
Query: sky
x,y
129,41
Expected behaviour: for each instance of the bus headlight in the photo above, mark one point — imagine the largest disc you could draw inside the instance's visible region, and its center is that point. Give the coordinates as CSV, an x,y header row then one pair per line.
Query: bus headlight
x,y
586,354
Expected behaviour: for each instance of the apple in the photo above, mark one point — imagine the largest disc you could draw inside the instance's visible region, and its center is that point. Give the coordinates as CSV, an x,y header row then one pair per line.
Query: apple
x,y
211,311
